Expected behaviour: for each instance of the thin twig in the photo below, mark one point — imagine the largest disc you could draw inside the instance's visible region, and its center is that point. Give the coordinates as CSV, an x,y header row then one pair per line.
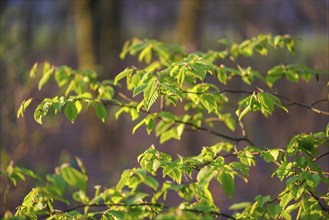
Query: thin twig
x,y
322,155
291,103
216,133
147,204
319,101
318,200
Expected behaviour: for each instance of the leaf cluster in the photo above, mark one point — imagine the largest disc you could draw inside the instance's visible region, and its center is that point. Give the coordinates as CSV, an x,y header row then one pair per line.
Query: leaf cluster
x,y
173,78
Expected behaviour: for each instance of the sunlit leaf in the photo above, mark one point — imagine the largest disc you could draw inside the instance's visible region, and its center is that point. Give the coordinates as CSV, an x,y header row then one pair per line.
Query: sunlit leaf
x,y
227,181
100,111
71,111
23,107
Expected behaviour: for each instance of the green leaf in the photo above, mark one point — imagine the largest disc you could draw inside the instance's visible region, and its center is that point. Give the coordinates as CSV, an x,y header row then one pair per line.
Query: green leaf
x,y
23,107
71,111
167,135
56,185
172,171
245,104
74,178
125,177
42,110
167,116
146,54
240,205
285,199
105,93
62,75
139,89
151,182
247,158
273,210
243,168
122,75
28,172
150,94
100,111
81,197
81,165
206,174
138,197
80,86
222,75
313,180
284,170
34,70
150,122
138,125
47,72
267,102
230,122
227,181
292,76
181,76
271,155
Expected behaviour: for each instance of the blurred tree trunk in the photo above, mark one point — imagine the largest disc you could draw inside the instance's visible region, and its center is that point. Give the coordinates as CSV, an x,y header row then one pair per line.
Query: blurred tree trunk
x,y
310,11
185,34
84,34
85,29
109,40
188,14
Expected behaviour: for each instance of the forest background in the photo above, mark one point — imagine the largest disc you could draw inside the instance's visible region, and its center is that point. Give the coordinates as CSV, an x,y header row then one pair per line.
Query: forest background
x,y
90,34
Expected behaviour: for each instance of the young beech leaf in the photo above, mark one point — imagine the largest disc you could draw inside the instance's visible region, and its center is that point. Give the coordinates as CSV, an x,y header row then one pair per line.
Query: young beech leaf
x,y
100,111
150,122
74,178
124,180
42,110
150,94
139,89
146,54
22,108
122,75
138,125
34,70
227,181
62,75
71,111
47,72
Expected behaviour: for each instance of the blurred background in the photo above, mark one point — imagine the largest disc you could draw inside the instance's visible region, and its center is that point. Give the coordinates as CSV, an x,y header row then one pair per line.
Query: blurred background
x,y
91,33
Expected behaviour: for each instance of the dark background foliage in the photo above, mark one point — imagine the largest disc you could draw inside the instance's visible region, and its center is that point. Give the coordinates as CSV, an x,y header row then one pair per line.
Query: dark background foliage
x,y
90,34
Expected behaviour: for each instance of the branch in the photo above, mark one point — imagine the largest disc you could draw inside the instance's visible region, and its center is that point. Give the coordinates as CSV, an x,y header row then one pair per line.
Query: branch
x,y
319,101
182,122
146,204
216,133
308,107
291,103
111,205
322,155
318,200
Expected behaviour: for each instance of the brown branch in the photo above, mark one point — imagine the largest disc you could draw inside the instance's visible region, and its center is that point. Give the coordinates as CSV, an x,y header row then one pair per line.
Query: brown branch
x,y
187,123
291,103
308,107
319,101
318,200
216,133
117,103
322,155
146,204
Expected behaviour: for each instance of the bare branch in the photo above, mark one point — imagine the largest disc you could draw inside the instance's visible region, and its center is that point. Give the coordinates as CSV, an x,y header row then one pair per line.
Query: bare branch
x,y
322,155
